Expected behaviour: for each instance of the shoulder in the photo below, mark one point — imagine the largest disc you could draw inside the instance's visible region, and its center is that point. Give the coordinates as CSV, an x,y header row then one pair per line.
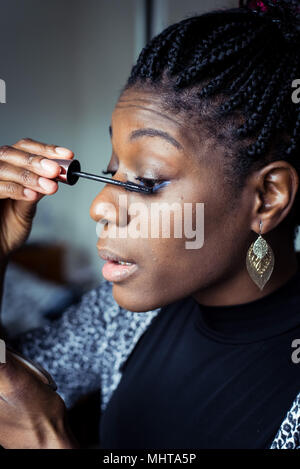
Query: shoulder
x,y
121,330
288,435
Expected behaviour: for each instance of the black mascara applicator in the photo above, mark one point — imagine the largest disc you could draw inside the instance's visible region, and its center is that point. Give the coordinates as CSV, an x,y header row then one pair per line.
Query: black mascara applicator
x,y
71,172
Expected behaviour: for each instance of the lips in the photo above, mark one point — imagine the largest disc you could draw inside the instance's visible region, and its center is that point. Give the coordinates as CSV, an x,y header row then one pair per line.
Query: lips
x,y
116,268
108,255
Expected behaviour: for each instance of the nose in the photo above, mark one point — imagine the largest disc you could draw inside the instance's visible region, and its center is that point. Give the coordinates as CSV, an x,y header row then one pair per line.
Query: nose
x,y
110,206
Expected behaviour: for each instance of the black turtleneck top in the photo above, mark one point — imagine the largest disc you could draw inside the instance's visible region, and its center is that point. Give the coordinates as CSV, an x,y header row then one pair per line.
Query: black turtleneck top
x,y
209,376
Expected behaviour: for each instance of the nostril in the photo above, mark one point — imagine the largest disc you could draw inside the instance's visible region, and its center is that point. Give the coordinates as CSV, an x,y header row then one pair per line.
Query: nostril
x,y
100,227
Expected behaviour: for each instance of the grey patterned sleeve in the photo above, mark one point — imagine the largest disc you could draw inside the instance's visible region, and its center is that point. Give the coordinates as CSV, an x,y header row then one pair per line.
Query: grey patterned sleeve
x,y
71,347
288,435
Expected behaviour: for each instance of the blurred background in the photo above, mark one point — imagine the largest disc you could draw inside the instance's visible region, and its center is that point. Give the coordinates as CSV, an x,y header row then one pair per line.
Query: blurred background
x,y
64,63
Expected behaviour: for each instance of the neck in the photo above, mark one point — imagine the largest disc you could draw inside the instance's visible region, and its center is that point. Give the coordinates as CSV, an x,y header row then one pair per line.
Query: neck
x,y
238,287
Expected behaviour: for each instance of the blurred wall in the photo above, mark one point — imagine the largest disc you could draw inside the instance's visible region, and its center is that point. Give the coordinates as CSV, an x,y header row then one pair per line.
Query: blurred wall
x,y
64,63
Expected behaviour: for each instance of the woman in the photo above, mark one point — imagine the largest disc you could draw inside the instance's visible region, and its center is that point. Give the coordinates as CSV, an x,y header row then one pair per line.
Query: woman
x,y
192,348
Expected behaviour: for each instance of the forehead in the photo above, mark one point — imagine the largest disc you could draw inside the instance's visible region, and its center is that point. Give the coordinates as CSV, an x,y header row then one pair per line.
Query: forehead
x,y
142,108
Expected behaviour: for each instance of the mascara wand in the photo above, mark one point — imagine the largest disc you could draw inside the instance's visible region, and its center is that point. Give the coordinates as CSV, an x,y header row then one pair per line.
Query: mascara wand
x,y
131,186
71,172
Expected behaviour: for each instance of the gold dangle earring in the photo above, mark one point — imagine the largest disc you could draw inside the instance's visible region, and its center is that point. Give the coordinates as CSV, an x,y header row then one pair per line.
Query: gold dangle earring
x,y
260,260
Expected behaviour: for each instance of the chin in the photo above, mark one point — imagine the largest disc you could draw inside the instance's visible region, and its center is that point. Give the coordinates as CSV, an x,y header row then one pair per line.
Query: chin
x,y
133,301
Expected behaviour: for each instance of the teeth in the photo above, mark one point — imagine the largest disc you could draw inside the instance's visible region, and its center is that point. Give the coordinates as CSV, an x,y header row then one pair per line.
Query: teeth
x,y
124,263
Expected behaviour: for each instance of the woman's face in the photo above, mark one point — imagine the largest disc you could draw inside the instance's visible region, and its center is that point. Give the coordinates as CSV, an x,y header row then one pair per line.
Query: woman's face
x,y
165,269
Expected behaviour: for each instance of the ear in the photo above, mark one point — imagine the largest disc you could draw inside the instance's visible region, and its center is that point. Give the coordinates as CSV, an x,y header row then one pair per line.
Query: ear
x,y
275,187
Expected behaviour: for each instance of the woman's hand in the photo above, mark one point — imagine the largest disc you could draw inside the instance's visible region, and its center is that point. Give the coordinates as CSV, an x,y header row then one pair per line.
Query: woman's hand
x,y
26,173
32,415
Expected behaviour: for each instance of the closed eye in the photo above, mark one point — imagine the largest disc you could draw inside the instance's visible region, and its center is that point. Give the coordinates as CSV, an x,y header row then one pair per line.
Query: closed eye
x,y
147,182
151,183
154,184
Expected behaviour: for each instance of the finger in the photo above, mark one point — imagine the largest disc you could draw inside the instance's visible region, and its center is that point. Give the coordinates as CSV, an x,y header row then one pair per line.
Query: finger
x,y
44,149
37,164
27,179
12,190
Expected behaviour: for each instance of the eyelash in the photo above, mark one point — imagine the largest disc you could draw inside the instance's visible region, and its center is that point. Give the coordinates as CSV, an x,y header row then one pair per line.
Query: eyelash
x,y
145,181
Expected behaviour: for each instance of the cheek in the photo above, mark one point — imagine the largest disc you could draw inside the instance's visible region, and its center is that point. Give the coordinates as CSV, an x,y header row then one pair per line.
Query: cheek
x,y
163,261
167,266
170,267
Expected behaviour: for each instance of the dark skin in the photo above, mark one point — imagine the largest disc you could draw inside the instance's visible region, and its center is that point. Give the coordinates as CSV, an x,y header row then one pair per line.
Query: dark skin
x,y
215,274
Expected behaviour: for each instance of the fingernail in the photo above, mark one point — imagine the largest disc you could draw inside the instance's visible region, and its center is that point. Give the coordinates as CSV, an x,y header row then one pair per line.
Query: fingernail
x,y
46,184
49,165
62,151
29,194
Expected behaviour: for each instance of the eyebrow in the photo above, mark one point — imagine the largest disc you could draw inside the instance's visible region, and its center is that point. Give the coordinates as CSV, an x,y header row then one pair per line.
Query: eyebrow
x,y
149,132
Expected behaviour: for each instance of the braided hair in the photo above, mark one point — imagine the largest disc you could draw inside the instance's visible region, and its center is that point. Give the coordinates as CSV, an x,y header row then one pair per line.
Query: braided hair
x,y
232,70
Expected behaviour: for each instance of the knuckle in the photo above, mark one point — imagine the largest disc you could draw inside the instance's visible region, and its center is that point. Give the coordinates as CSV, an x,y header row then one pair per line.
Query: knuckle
x,y
24,141
27,177
4,151
51,148
10,188
29,159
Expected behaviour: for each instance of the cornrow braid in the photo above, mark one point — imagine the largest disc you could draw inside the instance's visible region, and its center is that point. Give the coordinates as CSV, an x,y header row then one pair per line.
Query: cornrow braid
x,y
245,73
257,76
157,52
264,137
141,68
175,50
217,54
220,80
258,100
233,68
262,101
206,43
